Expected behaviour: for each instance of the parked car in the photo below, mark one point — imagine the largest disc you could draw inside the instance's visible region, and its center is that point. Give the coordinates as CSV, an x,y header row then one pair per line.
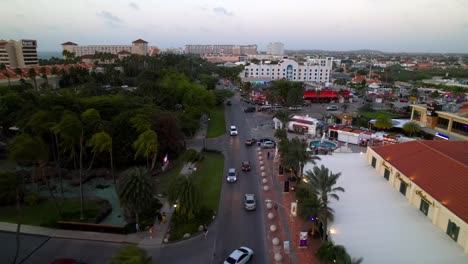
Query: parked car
x,y
260,141
249,202
277,106
295,108
246,166
232,175
233,131
265,107
249,109
228,102
332,108
250,142
268,145
241,255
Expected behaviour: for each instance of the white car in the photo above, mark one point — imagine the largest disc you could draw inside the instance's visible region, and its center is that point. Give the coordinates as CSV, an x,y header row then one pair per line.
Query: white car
x,y
233,131
267,145
249,202
232,175
332,108
241,255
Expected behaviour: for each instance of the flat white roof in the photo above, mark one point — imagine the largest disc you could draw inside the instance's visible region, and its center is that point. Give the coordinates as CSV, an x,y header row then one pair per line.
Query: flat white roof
x,y
376,222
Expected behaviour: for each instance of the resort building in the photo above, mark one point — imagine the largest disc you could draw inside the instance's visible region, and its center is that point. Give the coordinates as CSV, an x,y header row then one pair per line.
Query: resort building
x,y
138,47
221,49
442,125
433,176
18,54
275,48
312,70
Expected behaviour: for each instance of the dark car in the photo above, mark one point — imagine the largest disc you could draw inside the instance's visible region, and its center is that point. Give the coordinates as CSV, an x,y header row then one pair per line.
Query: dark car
x,y
250,142
260,141
228,102
249,109
246,166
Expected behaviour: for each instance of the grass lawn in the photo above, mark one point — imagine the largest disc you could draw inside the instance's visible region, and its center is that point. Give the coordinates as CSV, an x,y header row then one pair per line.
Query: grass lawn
x,y
217,124
7,165
375,114
209,176
165,178
45,214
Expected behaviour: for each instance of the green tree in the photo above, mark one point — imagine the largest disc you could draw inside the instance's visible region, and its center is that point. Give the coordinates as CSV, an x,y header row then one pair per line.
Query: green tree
x,y
32,75
322,181
284,117
135,189
5,73
297,156
131,255
411,128
19,72
102,142
147,145
186,193
383,122
295,96
329,253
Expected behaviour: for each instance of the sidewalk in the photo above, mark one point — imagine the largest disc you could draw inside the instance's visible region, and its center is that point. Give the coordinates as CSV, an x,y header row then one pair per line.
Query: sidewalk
x,y
288,226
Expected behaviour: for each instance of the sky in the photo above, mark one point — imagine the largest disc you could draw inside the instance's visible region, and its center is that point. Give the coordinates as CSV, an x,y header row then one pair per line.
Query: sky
x,y
385,25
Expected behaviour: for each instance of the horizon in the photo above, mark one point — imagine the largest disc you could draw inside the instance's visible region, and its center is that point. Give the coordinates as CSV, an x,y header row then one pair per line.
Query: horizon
x,y
335,25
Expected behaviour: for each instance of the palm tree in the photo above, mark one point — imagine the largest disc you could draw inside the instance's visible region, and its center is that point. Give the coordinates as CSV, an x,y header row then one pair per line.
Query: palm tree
x,y
310,208
329,253
131,255
322,182
147,145
101,142
185,192
54,71
19,72
135,189
411,128
383,122
284,117
297,155
32,75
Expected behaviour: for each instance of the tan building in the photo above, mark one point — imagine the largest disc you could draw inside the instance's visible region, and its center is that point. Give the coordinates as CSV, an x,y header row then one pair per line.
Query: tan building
x,y
139,47
433,176
442,125
221,49
18,54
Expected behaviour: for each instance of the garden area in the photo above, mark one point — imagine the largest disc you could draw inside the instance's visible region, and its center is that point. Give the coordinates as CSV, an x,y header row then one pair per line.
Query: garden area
x,y
197,195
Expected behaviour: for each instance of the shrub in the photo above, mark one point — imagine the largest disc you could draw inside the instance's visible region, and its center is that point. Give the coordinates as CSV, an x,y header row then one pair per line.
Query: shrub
x,y
148,216
7,188
31,199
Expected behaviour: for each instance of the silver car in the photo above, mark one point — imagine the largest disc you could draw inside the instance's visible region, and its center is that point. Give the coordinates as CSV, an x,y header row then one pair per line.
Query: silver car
x,y
232,175
268,145
250,202
241,255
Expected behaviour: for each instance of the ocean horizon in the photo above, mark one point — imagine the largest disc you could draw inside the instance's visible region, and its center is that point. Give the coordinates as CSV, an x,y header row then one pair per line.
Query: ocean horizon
x,y
49,54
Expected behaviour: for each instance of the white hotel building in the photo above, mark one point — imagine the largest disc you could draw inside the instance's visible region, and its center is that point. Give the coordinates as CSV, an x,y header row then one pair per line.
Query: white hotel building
x,y
139,47
312,70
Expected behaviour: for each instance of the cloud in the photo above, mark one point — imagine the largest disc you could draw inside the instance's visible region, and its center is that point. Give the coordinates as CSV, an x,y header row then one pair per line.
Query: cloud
x,y
110,19
222,11
134,6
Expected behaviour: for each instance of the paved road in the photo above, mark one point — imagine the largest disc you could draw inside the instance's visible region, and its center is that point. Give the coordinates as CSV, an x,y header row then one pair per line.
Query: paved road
x,y
237,227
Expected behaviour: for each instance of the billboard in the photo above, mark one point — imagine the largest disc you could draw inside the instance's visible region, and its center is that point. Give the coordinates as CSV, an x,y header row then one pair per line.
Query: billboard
x,y
31,43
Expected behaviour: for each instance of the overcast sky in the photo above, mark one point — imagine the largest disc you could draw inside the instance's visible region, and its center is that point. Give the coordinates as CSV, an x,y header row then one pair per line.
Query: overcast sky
x,y
386,25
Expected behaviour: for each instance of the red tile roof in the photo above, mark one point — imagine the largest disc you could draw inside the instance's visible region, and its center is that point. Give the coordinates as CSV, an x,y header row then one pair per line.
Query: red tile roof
x,y
123,52
3,43
69,43
439,167
139,41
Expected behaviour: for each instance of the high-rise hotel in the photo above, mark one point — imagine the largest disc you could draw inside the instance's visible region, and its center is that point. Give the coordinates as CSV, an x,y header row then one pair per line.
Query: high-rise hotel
x,y
18,54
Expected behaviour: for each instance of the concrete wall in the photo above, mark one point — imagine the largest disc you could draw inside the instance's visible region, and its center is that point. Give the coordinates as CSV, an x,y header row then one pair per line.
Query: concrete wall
x,y
438,214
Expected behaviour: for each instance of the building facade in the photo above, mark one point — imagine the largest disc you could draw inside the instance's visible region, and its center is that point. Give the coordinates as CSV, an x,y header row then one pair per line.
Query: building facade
x,y
138,47
312,70
18,54
441,124
432,176
221,49
275,48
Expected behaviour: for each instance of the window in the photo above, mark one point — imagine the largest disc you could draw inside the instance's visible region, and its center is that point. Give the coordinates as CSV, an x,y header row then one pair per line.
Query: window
x,y
442,123
460,128
417,115
424,207
403,188
386,174
374,161
452,230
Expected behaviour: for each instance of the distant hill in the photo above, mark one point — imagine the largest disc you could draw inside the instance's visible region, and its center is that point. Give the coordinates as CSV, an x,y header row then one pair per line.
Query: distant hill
x,y
45,55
